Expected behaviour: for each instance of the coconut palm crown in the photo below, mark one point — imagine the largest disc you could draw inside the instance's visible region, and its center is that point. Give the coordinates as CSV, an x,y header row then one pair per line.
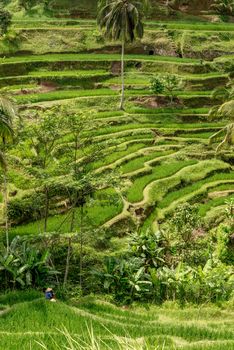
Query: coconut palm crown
x,y
226,110
122,20
7,114
224,7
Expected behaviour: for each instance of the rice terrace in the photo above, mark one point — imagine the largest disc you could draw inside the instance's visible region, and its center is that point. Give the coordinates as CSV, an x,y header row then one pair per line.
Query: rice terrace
x,y
117,178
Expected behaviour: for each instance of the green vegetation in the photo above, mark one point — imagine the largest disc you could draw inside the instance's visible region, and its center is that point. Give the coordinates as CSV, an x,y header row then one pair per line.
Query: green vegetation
x,y
116,209
128,328
162,171
123,21
5,20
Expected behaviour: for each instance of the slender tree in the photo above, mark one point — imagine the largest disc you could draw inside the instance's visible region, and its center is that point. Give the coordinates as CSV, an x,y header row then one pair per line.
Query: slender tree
x,y
83,151
7,114
44,137
122,20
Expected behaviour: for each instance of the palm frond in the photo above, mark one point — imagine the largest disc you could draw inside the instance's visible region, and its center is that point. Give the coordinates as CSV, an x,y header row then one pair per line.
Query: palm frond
x,y
228,133
220,93
216,136
7,106
121,19
213,112
7,114
227,110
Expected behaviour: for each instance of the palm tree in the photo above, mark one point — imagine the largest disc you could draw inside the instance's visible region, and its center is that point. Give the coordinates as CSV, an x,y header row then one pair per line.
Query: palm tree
x,y
7,114
222,94
224,7
226,110
122,20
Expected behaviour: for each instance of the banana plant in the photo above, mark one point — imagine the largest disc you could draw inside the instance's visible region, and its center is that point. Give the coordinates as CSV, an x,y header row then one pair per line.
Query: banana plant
x,y
149,246
139,283
24,265
125,279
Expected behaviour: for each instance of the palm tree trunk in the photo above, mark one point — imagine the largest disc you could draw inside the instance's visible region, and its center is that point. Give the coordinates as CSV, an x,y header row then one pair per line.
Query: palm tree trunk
x,y
6,209
122,77
69,247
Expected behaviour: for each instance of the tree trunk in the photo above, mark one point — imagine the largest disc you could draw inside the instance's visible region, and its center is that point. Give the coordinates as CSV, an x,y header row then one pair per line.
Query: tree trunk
x,y
81,243
46,208
72,220
75,199
171,99
5,193
75,154
122,77
67,261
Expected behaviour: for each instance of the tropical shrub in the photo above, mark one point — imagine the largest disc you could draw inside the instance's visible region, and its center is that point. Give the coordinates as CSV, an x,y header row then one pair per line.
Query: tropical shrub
x,y
27,208
224,7
23,265
210,283
180,267
166,83
125,279
149,247
28,4
5,20
185,220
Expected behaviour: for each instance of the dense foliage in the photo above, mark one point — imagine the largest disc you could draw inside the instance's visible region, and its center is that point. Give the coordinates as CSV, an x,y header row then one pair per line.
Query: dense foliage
x,y
224,7
137,195
177,264
5,20
23,265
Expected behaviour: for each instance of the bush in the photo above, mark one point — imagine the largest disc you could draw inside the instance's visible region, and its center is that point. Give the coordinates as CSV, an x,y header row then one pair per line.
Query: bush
x,y
153,269
5,20
23,265
224,7
28,4
26,208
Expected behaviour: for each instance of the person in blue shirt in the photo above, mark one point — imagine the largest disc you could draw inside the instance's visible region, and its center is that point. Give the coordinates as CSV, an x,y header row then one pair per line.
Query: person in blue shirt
x,y
49,294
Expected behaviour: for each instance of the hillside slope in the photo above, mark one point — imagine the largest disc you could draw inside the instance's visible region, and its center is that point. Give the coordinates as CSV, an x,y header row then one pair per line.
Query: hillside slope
x,y
160,150
25,324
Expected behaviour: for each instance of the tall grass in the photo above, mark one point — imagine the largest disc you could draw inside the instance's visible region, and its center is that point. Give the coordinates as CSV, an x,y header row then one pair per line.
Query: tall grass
x,y
90,324
94,342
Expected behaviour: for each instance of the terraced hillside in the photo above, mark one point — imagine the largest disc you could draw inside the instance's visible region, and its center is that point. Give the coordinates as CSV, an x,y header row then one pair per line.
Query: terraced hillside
x,y
159,151
88,9
25,323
